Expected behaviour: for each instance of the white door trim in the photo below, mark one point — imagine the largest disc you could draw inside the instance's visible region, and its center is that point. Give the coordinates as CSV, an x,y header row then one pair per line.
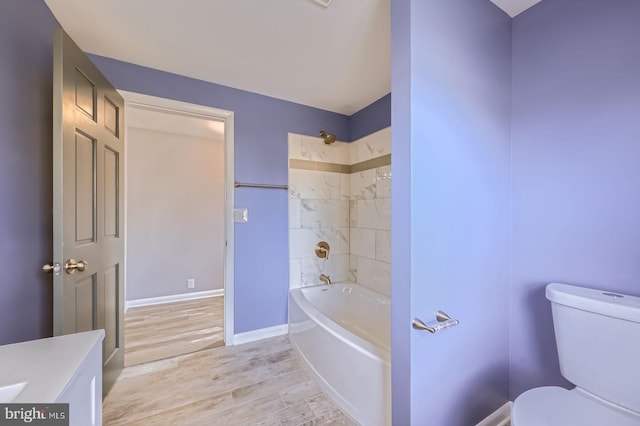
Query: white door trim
x,y
133,99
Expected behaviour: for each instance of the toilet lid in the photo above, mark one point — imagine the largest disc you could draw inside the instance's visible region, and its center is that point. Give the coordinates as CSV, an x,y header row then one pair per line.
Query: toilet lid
x,y
554,406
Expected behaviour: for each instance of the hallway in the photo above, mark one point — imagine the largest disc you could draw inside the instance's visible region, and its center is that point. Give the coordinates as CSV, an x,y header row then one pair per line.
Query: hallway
x,y
162,331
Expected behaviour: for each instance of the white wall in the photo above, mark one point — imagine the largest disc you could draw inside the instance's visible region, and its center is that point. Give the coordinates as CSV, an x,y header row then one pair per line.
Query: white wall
x,y
175,210
349,210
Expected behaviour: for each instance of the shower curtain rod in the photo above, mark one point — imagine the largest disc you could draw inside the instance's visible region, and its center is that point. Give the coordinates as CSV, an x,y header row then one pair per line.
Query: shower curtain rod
x,y
260,185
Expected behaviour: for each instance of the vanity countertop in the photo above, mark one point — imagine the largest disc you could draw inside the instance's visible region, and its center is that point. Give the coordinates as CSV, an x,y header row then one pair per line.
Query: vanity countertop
x,y
46,365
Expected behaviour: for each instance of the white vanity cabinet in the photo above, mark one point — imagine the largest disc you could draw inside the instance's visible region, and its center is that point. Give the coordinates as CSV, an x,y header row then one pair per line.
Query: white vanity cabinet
x,y
63,369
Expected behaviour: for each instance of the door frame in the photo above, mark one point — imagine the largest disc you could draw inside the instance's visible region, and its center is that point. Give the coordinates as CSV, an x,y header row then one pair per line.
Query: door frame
x,y
133,100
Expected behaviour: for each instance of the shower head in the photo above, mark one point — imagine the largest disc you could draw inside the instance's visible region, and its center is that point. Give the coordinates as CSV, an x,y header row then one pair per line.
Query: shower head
x,y
328,137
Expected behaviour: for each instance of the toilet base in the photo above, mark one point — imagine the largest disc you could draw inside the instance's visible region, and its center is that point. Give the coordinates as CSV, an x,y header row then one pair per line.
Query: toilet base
x,y
555,406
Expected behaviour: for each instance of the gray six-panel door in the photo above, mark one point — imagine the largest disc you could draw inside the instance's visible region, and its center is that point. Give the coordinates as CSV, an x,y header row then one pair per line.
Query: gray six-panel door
x,y
88,203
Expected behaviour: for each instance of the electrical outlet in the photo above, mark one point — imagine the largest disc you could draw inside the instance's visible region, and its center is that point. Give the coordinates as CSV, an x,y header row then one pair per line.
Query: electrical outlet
x,y
191,283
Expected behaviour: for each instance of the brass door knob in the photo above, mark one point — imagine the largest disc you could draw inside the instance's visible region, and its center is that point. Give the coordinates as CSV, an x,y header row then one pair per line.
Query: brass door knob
x,y
73,265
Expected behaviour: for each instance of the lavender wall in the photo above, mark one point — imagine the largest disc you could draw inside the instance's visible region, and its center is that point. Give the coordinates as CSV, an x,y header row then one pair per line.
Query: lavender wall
x,y
261,126
262,123
459,179
26,49
576,203
374,117
401,143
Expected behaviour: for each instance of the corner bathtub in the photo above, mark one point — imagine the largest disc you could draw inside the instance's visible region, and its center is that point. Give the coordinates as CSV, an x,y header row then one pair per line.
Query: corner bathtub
x,y
343,333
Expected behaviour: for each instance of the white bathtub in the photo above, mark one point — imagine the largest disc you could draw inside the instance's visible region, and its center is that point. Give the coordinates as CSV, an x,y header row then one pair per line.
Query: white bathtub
x,y
343,333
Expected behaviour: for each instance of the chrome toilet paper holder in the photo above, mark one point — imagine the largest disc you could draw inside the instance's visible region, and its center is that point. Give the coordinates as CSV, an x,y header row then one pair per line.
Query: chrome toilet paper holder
x,y
442,322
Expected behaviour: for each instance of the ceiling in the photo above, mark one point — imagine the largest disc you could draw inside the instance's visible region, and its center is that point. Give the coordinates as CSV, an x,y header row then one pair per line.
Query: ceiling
x,y
336,58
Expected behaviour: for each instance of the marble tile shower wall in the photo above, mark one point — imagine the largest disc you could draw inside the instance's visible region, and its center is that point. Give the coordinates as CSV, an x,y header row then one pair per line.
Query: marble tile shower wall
x,y
370,214
318,211
350,211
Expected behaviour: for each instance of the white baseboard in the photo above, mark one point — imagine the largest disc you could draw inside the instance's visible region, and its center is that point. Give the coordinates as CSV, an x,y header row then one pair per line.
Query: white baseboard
x,y
173,298
263,333
500,417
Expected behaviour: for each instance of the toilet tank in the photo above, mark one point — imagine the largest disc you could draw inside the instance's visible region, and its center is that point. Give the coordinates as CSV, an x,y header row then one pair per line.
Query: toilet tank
x,y
598,339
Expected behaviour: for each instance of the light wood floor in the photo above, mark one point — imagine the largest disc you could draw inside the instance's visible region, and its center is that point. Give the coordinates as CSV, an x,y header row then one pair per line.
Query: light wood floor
x,y
162,331
259,383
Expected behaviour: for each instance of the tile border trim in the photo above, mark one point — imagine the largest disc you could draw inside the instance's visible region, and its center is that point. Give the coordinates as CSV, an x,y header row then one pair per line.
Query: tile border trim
x,y
374,163
318,166
384,160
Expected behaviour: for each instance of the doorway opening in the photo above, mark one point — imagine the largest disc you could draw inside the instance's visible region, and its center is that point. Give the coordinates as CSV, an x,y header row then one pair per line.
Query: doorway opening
x,y
178,228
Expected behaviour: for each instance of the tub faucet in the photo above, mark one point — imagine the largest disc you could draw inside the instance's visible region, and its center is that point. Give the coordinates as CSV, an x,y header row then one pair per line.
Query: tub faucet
x,y
325,279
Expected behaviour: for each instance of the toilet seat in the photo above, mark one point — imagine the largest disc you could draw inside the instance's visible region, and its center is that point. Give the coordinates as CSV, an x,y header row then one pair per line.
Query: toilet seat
x,y
554,406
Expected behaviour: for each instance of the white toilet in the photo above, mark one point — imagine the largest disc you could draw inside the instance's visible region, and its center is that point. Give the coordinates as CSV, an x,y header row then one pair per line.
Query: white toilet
x,y
598,338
